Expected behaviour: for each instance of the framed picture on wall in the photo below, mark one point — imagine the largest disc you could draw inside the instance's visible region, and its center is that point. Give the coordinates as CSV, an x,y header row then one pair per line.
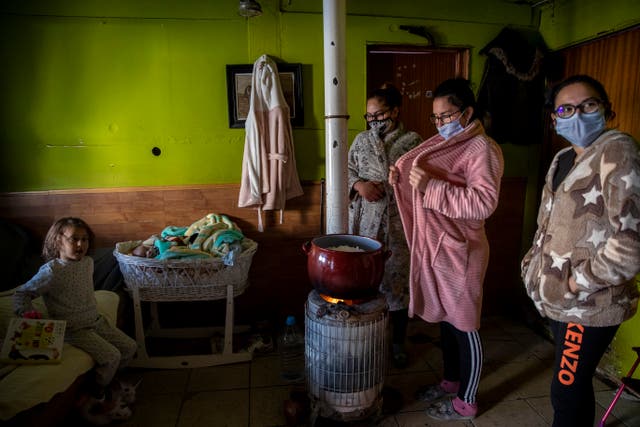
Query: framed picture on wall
x,y
239,92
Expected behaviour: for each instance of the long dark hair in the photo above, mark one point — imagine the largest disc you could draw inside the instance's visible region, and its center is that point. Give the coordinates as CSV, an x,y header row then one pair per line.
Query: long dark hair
x,y
458,92
51,246
587,80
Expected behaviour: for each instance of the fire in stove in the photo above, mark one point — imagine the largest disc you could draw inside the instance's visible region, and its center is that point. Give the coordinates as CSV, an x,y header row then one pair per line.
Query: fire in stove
x,y
348,302
345,355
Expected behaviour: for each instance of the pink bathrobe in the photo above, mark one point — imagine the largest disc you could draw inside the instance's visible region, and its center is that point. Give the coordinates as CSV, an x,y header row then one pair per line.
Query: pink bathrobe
x,y
445,224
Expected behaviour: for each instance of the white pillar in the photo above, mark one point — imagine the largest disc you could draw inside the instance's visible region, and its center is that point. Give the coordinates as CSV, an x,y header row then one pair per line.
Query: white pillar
x,y
335,104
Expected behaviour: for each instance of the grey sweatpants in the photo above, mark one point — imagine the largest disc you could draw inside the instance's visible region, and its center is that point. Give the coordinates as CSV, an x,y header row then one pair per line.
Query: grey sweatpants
x,y
109,347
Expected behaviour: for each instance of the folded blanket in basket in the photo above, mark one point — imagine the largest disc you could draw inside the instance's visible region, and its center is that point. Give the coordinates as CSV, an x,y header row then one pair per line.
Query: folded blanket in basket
x,y
210,219
162,246
228,236
204,235
175,252
173,230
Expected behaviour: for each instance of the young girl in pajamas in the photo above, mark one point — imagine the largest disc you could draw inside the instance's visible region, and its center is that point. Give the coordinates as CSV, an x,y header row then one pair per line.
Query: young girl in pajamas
x,y
65,283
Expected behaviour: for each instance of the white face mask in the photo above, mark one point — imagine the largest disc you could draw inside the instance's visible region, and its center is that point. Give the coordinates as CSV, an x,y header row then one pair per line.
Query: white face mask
x,y
581,129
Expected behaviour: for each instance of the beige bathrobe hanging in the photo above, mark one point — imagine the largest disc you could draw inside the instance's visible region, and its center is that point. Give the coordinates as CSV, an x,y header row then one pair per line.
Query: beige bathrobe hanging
x,y
269,174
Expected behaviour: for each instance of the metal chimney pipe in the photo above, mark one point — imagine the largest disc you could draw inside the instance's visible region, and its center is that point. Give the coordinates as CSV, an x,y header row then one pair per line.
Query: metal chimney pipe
x,y
336,117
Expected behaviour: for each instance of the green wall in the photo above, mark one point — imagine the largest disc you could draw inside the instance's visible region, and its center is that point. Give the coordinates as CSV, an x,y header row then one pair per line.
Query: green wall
x,y
622,356
86,99
573,21
90,87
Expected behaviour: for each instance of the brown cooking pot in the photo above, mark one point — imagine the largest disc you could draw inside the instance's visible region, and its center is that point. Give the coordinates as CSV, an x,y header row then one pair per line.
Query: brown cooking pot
x,y
345,274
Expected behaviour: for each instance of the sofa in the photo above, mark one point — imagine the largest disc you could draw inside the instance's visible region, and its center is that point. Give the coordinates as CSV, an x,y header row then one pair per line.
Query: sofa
x,y
39,395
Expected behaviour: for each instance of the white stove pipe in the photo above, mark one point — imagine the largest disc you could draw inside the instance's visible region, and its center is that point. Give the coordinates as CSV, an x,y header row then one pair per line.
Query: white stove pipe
x,y
336,117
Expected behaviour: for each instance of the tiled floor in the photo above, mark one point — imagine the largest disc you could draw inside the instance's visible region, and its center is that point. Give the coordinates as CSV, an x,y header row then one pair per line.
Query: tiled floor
x,y
514,390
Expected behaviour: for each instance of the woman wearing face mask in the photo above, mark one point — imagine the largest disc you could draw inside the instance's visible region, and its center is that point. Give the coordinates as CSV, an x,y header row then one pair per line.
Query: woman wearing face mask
x,y
580,270
445,189
372,211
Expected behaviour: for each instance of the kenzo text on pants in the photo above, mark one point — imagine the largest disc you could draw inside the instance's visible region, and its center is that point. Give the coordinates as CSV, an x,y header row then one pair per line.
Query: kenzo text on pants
x,y
570,353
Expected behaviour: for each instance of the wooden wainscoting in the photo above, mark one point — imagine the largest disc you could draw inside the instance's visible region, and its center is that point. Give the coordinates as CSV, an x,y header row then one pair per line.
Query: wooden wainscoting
x,y
279,283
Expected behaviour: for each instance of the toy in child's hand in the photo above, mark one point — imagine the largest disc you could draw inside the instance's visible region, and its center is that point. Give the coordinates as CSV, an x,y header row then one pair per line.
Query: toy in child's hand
x,y
33,314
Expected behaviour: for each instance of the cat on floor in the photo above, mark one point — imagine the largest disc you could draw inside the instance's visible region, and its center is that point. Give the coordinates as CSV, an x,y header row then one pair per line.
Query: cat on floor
x,y
115,406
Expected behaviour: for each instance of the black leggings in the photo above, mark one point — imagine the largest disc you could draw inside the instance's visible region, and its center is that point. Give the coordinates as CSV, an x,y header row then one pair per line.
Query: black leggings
x,y
577,354
462,359
399,322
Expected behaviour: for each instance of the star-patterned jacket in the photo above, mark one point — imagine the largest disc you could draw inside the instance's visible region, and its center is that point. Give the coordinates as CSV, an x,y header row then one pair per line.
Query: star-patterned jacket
x,y
589,229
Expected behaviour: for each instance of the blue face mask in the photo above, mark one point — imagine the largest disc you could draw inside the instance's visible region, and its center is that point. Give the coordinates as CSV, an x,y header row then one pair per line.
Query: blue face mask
x,y
581,129
450,129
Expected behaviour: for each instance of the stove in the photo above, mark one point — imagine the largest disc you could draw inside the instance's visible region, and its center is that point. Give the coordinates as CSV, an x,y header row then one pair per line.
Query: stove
x,y
346,347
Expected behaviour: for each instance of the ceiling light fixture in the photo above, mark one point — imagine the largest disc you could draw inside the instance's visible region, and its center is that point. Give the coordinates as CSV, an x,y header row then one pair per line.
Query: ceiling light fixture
x,y
249,8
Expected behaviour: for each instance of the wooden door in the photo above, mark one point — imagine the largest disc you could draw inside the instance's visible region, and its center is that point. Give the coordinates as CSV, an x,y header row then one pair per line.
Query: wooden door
x,y
415,71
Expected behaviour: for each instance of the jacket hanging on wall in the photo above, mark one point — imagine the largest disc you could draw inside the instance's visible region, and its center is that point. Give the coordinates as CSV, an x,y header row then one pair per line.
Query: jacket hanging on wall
x,y
269,174
512,89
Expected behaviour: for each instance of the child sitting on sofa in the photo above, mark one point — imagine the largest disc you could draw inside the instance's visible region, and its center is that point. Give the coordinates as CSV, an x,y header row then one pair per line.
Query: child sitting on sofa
x,y
65,283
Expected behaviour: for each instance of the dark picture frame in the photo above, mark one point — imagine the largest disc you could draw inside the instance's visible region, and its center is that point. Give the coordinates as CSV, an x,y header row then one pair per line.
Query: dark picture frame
x,y
239,92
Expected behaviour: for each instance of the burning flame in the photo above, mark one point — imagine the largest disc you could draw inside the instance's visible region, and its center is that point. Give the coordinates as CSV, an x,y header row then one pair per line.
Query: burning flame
x,y
332,300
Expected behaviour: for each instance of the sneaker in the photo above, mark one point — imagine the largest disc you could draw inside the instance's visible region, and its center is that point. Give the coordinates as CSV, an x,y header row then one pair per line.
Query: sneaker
x,y
444,411
433,393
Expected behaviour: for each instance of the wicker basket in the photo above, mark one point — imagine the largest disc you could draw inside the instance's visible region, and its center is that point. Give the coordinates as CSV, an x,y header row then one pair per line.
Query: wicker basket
x,y
183,279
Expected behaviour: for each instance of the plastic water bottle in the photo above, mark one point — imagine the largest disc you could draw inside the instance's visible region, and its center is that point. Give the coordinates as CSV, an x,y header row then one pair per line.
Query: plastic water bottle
x,y
292,352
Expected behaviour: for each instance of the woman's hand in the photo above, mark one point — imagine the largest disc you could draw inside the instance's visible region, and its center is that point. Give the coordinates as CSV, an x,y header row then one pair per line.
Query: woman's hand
x,y
573,286
418,178
394,174
371,191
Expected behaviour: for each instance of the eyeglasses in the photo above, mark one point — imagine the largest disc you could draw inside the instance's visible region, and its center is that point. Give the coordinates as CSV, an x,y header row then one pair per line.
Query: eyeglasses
x,y
75,240
587,106
376,116
443,118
